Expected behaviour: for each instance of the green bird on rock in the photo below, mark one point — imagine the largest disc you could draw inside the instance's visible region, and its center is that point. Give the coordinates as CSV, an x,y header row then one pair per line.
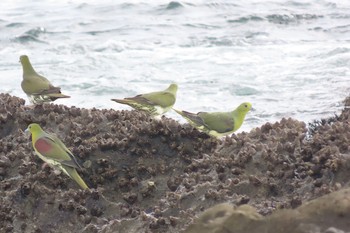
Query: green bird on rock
x,y
37,87
217,124
52,150
154,103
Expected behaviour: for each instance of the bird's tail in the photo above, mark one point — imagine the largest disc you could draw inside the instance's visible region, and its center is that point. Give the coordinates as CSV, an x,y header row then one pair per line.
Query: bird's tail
x,y
58,95
75,176
53,92
185,114
121,101
178,111
192,118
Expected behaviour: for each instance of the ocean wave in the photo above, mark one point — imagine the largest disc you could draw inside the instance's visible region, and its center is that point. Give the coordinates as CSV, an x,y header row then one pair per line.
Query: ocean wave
x,y
253,35
318,29
112,45
174,5
219,5
36,31
296,3
27,38
276,18
31,35
339,29
82,6
96,32
13,25
201,25
292,18
250,38
337,51
127,5
240,90
246,19
339,16
209,41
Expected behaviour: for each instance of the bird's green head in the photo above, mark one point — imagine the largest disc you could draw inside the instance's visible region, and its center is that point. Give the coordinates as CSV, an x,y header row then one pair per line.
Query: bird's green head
x,y
244,107
172,88
27,67
34,128
24,59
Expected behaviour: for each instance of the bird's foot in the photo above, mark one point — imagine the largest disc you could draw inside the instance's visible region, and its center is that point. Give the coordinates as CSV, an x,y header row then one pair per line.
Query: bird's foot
x,y
56,172
45,166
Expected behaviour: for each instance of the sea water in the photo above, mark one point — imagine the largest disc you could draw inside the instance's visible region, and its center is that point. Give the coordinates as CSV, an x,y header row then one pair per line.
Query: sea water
x,y
288,58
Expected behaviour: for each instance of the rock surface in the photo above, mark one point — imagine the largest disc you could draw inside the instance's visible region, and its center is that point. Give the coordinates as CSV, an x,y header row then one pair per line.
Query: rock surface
x,y
159,176
318,215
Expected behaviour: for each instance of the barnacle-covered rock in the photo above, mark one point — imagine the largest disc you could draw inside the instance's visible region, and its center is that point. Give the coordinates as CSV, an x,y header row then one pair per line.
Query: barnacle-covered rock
x,y
152,175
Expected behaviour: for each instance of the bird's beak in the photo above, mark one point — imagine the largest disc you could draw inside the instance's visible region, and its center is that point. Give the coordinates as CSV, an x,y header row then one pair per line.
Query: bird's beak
x,y
27,132
252,109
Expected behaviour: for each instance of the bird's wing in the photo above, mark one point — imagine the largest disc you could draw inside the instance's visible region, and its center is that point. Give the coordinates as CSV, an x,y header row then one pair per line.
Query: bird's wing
x,y
194,118
221,122
162,98
52,148
72,157
50,90
35,86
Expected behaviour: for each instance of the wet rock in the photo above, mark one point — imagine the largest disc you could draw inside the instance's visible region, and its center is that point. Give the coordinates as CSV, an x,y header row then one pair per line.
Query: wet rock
x,y
319,215
221,218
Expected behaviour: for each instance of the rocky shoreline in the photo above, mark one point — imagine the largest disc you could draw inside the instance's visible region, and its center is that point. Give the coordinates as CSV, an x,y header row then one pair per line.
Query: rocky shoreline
x,y
159,176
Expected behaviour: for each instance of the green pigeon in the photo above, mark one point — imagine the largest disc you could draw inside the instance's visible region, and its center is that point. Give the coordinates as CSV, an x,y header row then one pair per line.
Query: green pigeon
x,y
52,150
154,103
37,87
217,124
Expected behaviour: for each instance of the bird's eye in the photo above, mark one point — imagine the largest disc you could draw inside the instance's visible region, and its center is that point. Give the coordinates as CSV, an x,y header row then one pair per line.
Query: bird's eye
x,y
246,105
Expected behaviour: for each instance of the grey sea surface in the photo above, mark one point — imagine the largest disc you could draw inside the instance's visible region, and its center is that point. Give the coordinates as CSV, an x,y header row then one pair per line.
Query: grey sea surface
x,y
288,58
